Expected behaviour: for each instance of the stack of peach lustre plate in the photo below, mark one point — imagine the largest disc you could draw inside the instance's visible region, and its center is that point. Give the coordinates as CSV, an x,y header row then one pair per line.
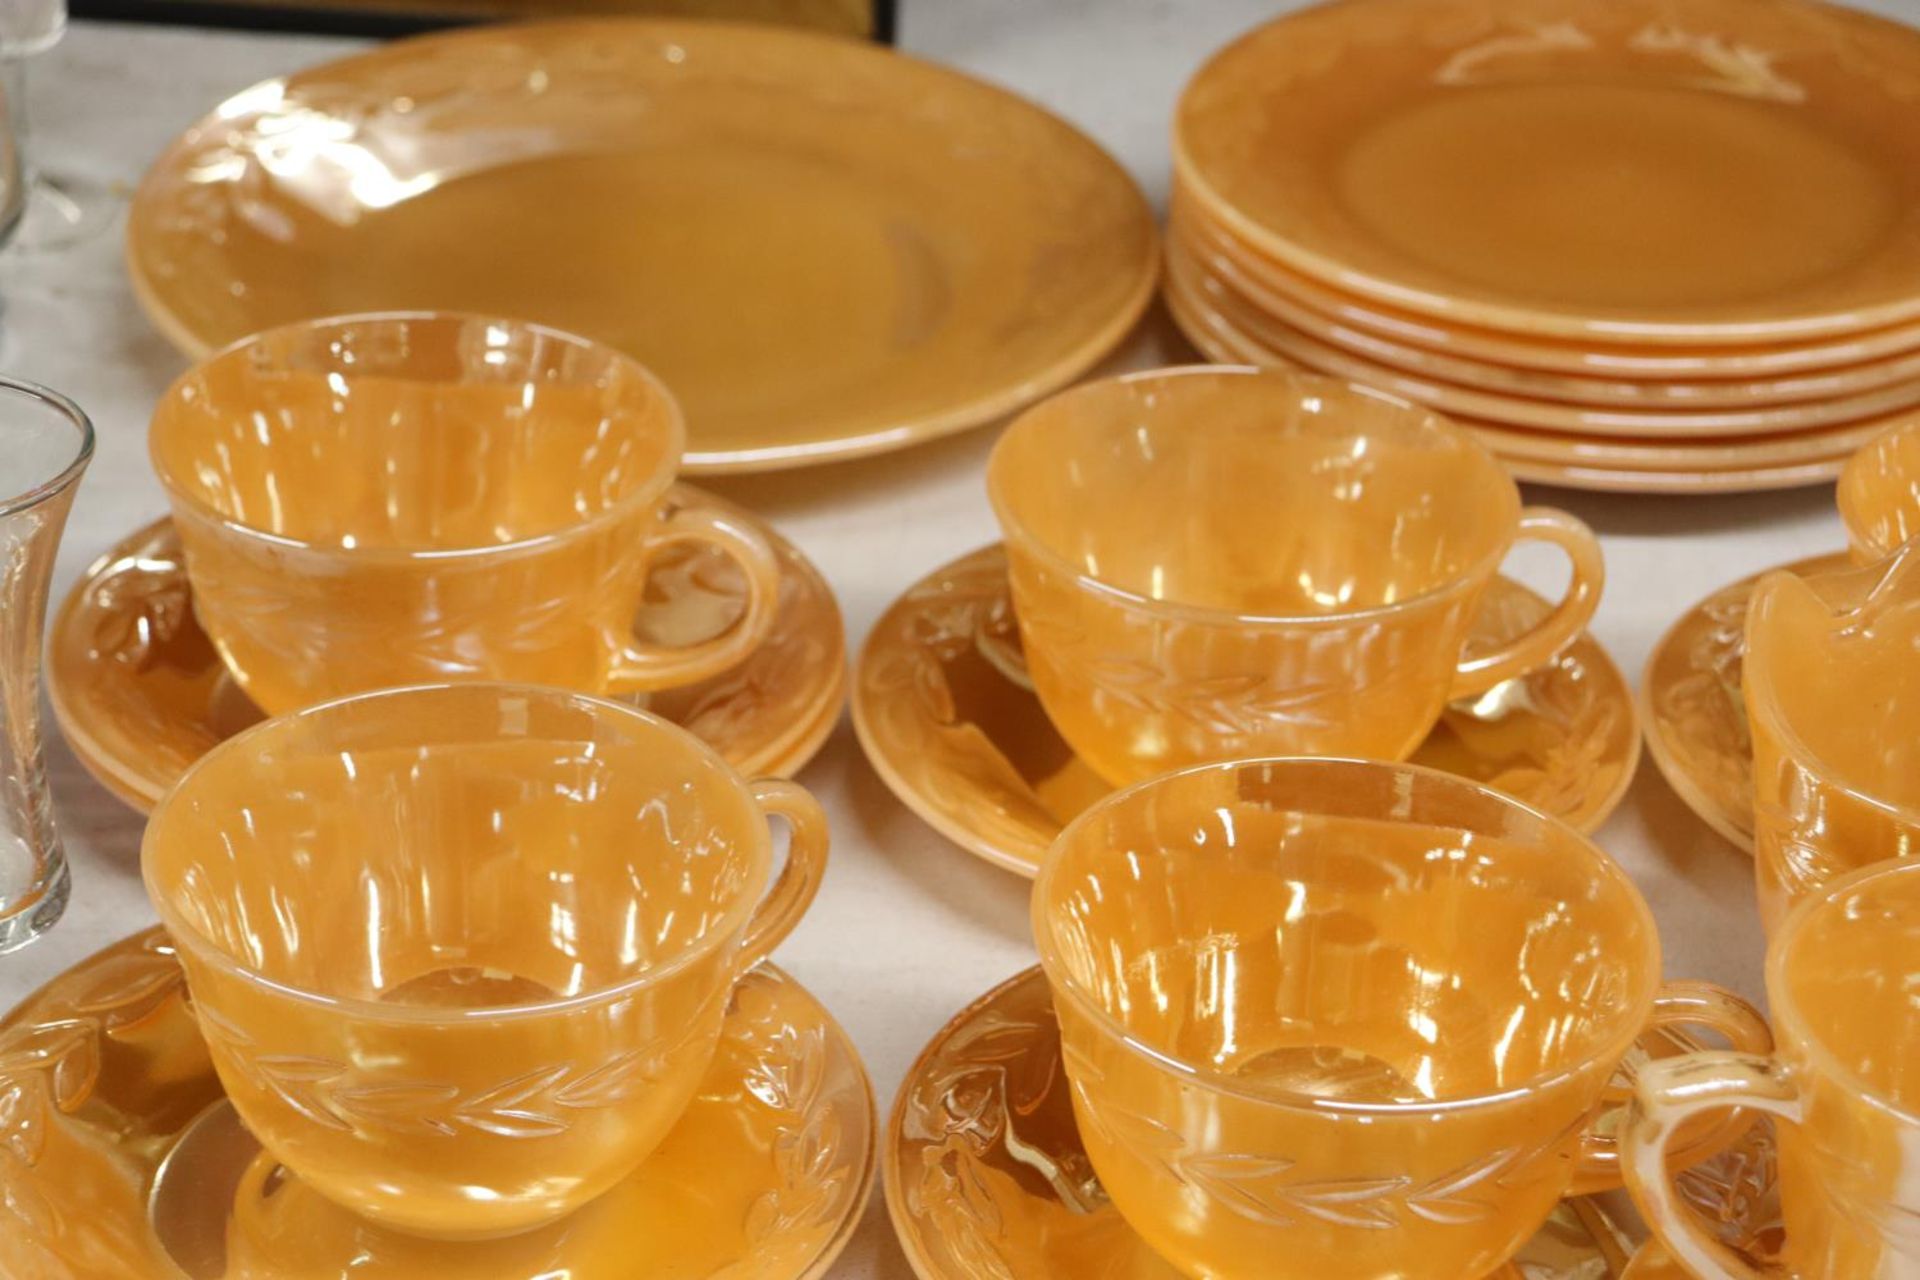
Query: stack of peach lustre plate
x,y
1634,244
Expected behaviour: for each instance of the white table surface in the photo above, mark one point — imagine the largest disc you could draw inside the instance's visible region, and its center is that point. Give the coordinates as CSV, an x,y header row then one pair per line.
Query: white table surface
x,y
908,928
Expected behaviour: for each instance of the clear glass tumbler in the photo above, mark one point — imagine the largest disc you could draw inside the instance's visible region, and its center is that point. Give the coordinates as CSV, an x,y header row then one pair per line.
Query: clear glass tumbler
x,y
39,211
45,443
13,170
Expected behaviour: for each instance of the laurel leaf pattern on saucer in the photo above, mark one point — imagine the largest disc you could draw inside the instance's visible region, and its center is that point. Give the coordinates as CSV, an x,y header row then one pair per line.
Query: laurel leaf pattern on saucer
x,y
1737,1195
986,1125
145,603
912,682
49,1068
754,713
1563,739
1704,713
814,1159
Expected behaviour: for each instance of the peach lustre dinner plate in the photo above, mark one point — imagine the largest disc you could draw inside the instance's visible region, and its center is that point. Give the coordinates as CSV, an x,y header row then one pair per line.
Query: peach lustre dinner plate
x,y
1714,172
824,247
1707,428
1780,372
1600,463
1218,274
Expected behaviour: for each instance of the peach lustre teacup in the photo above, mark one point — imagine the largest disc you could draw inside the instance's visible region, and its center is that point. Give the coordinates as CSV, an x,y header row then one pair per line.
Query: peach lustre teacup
x,y
377,500
1831,679
461,953
1210,563
1341,1020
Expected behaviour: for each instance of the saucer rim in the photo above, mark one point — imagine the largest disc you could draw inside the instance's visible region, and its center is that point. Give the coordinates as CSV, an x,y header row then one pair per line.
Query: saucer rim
x,y
905,1226
891,1173
1667,759
970,841
786,756
859,1197
1097,342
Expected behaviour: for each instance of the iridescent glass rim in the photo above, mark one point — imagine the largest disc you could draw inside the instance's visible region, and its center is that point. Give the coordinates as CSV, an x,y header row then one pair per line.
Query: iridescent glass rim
x,y
67,475
646,494
1018,533
729,925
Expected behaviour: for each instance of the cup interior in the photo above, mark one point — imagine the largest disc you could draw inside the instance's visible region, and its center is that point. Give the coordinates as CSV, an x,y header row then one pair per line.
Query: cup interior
x,y
418,432
1831,662
1844,976
1346,931
470,846
1879,492
1257,492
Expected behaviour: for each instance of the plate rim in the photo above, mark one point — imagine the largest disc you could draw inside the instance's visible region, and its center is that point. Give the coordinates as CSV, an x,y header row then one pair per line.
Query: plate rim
x,y
1096,344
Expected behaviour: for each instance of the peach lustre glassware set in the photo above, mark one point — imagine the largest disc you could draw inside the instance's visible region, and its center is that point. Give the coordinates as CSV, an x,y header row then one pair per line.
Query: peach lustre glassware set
x,y
474,949
476,966
1222,564
1387,193
462,964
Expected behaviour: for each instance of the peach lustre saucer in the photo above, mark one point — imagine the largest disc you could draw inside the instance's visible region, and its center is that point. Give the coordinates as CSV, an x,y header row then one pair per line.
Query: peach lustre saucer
x,y
1737,1195
119,1158
1695,712
944,710
141,694
985,1174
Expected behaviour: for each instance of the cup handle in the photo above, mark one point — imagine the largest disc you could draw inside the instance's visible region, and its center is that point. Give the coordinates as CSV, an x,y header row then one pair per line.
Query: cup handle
x,y
1683,1004
1669,1094
1569,617
639,667
799,880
